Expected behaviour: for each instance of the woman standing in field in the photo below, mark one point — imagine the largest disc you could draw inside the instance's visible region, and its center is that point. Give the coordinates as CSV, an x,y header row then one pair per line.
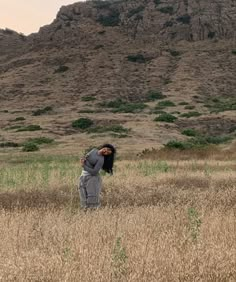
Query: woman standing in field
x,y
90,180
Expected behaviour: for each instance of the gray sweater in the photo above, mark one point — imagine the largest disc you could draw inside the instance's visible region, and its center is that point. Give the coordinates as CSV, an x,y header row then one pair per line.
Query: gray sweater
x,y
93,163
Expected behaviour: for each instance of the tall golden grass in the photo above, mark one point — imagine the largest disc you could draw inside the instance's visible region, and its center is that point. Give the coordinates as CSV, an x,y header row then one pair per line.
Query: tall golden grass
x,y
160,221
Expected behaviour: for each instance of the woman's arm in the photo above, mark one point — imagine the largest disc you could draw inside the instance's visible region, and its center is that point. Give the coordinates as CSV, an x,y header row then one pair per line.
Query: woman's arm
x,y
95,170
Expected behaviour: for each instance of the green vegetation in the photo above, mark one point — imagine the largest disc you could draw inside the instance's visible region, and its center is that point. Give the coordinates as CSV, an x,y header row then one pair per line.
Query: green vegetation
x,y
135,11
194,223
157,111
190,132
18,119
174,53
234,52
147,169
112,19
191,114
175,113
157,2
88,98
30,147
112,128
40,112
120,106
31,127
82,123
40,140
197,142
165,104
165,118
61,69
153,95
137,58
13,127
167,10
183,103
211,34
217,139
189,107
119,259
9,144
217,105
185,19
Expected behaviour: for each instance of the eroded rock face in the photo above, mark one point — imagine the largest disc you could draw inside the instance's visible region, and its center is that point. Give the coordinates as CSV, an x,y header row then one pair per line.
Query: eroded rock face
x,y
146,20
11,42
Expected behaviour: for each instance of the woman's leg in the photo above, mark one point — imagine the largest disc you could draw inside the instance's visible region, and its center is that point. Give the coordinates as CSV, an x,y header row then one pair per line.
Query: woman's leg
x,y
93,190
82,191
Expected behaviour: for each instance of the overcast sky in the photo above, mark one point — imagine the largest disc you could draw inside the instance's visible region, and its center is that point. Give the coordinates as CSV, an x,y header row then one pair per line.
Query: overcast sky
x,y
28,16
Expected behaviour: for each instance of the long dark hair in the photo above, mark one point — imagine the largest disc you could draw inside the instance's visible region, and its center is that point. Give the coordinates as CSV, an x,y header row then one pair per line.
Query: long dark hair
x,y
108,160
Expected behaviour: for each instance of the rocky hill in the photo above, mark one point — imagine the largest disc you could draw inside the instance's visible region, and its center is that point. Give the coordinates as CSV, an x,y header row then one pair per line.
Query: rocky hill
x,y
100,51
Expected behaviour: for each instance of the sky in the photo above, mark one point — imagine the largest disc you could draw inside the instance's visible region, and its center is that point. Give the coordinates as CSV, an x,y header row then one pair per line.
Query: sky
x,y
28,16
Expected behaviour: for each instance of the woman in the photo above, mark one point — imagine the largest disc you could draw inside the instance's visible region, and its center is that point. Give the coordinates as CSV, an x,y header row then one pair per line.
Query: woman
x,y
90,180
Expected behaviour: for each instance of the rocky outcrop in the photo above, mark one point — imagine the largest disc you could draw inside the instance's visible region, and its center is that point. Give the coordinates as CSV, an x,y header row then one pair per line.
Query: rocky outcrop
x,y
11,43
144,20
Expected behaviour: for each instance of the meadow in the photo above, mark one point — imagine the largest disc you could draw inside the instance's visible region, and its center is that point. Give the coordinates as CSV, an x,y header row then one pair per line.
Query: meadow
x,y
162,219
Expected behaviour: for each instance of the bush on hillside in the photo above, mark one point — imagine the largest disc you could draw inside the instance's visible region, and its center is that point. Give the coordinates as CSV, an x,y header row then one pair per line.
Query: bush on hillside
x,y
165,118
82,123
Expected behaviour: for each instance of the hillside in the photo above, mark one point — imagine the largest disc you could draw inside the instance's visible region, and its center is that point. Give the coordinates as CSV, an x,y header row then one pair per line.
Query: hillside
x,y
133,51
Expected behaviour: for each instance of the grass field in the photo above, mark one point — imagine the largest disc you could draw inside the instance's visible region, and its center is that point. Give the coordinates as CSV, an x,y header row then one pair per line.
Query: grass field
x,y
161,220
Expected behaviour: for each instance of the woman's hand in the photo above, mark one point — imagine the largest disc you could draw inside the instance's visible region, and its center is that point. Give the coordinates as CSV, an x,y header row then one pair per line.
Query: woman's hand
x,y
82,161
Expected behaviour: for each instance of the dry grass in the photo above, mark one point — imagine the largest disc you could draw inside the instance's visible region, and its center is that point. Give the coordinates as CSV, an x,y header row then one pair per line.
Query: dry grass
x,y
159,221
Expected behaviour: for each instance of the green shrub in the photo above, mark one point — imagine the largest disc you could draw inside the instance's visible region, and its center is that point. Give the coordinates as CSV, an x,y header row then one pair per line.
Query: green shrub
x,y
183,103
82,123
175,144
217,139
112,19
157,2
164,104
175,113
61,68
138,58
234,52
165,118
167,10
185,19
158,112
88,98
130,108
189,107
153,95
190,132
211,34
9,144
30,147
217,105
18,119
42,111
31,127
88,111
13,127
113,128
135,11
174,53
40,140
120,106
191,114
197,142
